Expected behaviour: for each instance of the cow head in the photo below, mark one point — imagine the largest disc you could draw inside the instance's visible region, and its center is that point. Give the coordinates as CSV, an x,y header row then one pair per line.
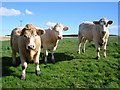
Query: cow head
x,y
59,28
104,25
31,35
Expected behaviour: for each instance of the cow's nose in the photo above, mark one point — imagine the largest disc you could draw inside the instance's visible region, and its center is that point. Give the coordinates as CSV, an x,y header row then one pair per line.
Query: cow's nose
x,y
103,32
59,37
31,47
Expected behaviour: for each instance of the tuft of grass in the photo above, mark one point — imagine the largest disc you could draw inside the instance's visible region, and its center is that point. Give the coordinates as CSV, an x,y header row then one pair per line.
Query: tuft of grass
x,y
71,70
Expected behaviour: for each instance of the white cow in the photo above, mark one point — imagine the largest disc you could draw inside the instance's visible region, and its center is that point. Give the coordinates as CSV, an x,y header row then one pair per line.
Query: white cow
x,y
51,38
96,31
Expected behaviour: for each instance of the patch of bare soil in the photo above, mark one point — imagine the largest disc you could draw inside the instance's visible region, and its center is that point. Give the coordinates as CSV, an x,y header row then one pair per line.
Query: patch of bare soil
x,y
3,38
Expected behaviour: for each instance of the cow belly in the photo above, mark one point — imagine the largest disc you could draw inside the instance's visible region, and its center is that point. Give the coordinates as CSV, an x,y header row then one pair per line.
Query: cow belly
x,y
50,47
87,34
88,37
15,48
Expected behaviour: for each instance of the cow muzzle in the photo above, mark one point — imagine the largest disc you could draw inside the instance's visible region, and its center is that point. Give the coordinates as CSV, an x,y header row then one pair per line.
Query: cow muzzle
x,y
60,37
31,47
103,32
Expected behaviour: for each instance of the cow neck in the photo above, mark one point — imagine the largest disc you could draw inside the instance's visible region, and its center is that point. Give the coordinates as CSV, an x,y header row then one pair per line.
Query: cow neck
x,y
102,37
31,54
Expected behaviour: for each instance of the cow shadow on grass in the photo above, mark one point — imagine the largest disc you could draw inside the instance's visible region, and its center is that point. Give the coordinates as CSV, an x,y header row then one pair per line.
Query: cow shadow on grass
x,y
6,64
58,57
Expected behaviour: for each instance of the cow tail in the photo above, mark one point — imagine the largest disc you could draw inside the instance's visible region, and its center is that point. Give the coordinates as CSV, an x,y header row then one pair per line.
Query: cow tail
x,y
11,39
79,31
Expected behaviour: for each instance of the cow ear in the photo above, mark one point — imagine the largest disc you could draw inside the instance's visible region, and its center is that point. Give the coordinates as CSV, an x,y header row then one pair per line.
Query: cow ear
x,y
110,22
96,22
18,32
65,28
52,28
40,32
22,31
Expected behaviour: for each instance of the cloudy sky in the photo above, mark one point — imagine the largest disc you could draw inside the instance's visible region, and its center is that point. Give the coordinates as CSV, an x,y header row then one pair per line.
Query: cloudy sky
x,y
46,14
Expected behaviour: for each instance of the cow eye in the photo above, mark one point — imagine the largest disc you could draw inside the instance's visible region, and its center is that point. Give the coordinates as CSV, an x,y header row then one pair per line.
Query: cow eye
x,y
25,36
56,31
106,25
35,35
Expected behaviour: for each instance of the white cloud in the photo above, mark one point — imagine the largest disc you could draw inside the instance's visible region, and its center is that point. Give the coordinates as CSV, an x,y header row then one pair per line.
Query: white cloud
x,y
28,12
50,24
9,12
114,27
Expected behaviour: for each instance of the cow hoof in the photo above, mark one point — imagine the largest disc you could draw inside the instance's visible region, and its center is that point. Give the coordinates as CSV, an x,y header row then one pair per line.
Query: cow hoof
x,y
14,64
78,52
22,77
45,62
104,56
97,58
83,51
53,61
37,73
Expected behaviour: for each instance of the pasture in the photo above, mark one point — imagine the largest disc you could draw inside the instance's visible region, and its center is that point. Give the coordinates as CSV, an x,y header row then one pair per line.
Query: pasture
x,y
71,70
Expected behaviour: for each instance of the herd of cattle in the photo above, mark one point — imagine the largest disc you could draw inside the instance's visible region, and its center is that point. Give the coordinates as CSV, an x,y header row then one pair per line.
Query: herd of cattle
x,y
28,40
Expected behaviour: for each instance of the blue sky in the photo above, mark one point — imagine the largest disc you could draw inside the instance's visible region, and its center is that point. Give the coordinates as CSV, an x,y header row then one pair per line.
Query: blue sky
x,y
45,14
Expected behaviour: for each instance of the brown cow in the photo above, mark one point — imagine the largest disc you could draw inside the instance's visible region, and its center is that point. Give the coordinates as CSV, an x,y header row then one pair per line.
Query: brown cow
x,y
27,43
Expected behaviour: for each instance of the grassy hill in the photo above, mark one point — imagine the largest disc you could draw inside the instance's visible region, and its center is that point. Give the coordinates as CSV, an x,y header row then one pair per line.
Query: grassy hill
x,y
71,70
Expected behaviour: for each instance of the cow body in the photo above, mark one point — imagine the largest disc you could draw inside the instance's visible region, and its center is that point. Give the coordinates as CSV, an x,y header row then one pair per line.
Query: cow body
x,y
27,43
50,40
14,42
96,31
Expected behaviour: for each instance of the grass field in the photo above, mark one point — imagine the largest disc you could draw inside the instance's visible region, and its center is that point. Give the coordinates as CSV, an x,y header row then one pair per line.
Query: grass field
x,y
71,70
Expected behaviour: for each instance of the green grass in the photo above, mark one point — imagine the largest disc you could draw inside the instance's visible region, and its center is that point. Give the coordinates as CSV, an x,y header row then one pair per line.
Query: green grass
x,y
71,70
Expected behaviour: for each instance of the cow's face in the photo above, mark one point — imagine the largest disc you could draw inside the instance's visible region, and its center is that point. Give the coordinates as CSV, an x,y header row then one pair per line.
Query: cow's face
x,y
104,25
31,35
59,28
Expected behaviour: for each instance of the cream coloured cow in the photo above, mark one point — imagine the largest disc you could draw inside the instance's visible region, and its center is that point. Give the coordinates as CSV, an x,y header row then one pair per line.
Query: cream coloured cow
x,y
26,41
51,38
96,31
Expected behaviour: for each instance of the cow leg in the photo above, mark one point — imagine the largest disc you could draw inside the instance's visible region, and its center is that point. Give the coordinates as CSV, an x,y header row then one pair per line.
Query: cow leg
x,y
98,50
53,59
13,57
79,44
24,66
45,54
83,45
36,61
52,53
104,50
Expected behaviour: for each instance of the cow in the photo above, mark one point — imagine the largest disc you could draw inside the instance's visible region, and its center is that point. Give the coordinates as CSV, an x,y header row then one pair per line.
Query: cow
x,y
26,41
96,31
51,38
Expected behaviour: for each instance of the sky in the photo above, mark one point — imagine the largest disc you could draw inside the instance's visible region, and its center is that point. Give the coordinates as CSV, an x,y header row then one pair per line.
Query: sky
x,y
60,0
46,14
